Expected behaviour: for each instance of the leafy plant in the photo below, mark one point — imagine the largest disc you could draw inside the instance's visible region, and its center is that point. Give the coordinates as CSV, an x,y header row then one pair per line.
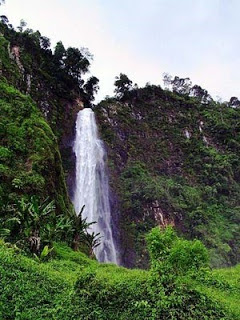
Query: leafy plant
x,y
81,233
44,254
169,252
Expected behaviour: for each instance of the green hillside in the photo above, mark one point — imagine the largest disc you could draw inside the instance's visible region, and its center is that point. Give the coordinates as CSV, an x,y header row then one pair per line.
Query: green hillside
x,y
174,158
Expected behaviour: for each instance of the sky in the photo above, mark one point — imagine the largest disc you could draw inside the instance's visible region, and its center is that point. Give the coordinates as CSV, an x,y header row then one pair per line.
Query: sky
x,y
198,39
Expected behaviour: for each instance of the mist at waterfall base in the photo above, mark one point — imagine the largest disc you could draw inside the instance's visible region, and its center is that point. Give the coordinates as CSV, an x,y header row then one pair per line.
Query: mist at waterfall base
x,y
92,189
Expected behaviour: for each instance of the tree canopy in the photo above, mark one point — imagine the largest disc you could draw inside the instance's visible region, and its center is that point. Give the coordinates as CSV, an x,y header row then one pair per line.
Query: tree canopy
x,y
123,84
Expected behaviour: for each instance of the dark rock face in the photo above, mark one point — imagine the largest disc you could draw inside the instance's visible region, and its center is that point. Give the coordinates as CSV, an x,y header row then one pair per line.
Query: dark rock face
x,y
115,214
67,153
67,142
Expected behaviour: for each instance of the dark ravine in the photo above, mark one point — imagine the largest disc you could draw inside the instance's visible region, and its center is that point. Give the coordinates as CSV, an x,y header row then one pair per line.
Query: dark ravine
x,y
67,142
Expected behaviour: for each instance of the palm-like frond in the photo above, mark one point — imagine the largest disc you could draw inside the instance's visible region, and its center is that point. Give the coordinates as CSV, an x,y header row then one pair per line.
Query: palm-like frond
x,y
4,232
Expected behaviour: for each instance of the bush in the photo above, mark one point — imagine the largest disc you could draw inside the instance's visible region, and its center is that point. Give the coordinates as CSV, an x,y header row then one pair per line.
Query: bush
x,y
178,255
188,255
160,243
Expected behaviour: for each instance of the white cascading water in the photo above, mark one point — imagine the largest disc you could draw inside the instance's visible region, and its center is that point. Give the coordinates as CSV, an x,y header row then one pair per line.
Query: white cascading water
x,y
92,189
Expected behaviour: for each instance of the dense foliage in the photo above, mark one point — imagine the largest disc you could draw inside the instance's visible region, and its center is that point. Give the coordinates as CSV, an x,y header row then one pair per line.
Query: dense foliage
x,y
174,158
71,286
30,159
41,91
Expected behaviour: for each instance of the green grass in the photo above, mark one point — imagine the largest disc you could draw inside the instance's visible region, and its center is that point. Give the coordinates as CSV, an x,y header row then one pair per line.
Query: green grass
x,y
72,286
229,294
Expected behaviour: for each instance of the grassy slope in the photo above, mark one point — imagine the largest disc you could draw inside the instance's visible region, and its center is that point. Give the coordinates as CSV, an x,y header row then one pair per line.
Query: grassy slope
x,y
33,290
71,286
228,295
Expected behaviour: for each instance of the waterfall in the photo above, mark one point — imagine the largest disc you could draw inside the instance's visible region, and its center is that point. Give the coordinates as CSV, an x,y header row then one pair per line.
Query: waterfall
x,y
92,189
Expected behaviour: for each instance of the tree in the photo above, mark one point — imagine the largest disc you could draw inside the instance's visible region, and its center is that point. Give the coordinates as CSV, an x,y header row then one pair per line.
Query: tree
x,y
82,235
168,252
45,42
200,93
75,63
93,241
181,85
123,85
184,86
234,102
59,52
4,20
85,52
160,242
80,227
167,80
32,216
91,87
23,24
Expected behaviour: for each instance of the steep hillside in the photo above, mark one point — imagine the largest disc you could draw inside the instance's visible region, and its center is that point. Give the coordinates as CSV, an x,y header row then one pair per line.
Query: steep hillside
x,y
173,160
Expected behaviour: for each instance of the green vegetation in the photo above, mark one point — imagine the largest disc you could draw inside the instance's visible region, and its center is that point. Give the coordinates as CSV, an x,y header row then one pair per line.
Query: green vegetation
x,y
53,79
30,159
34,226
174,160
41,92
35,209
177,162
71,286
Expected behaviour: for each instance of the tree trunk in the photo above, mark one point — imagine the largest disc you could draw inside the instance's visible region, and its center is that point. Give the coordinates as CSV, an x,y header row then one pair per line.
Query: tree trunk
x,y
76,242
35,242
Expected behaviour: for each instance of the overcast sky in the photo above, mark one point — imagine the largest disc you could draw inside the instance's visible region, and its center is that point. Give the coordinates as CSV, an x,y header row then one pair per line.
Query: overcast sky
x,y
145,38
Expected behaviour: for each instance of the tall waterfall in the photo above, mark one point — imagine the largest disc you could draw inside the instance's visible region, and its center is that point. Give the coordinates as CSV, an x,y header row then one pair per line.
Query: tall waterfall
x,y
92,188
